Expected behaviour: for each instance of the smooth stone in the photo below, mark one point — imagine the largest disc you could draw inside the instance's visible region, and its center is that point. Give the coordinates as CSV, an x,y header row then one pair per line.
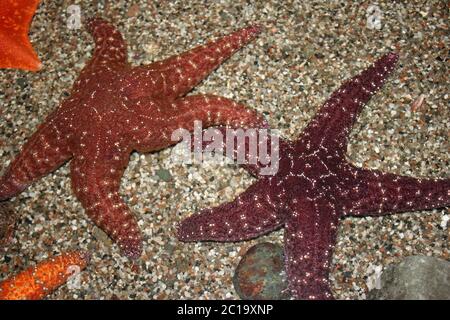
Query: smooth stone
x,y
260,273
415,278
164,175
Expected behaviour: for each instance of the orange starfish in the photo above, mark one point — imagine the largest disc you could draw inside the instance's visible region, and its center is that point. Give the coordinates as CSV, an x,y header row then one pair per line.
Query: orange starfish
x,y
36,282
16,51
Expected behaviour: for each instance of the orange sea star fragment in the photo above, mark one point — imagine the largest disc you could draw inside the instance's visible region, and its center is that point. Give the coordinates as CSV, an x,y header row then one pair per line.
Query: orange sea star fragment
x,y
36,282
16,51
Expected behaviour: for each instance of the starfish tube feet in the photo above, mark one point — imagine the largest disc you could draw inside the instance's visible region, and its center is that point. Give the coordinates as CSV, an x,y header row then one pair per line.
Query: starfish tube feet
x,y
251,215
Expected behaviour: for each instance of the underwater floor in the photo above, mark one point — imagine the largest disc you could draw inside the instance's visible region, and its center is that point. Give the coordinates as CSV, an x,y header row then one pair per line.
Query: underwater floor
x,y
303,54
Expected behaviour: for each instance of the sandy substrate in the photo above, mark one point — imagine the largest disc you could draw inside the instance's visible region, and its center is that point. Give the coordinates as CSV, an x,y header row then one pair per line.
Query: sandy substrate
x,y
304,53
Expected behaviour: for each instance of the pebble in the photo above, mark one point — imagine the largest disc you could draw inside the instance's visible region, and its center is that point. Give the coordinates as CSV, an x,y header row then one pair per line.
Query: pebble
x,y
164,175
260,273
101,236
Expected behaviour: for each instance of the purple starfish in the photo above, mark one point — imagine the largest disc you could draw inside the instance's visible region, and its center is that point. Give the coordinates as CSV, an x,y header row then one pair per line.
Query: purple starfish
x,y
314,187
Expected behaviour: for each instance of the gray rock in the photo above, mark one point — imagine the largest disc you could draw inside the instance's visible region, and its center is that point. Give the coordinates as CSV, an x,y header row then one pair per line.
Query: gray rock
x,y
415,278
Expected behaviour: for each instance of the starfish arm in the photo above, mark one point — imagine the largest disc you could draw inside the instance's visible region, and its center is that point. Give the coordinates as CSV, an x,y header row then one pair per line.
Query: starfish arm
x,y
43,153
210,110
179,74
333,122
310,235
379,193
252,214
95,182
110,47
96,171
242,151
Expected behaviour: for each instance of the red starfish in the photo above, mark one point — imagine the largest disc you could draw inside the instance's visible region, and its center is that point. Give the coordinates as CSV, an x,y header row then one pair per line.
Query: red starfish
x,y
15,47
314,187
115,108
